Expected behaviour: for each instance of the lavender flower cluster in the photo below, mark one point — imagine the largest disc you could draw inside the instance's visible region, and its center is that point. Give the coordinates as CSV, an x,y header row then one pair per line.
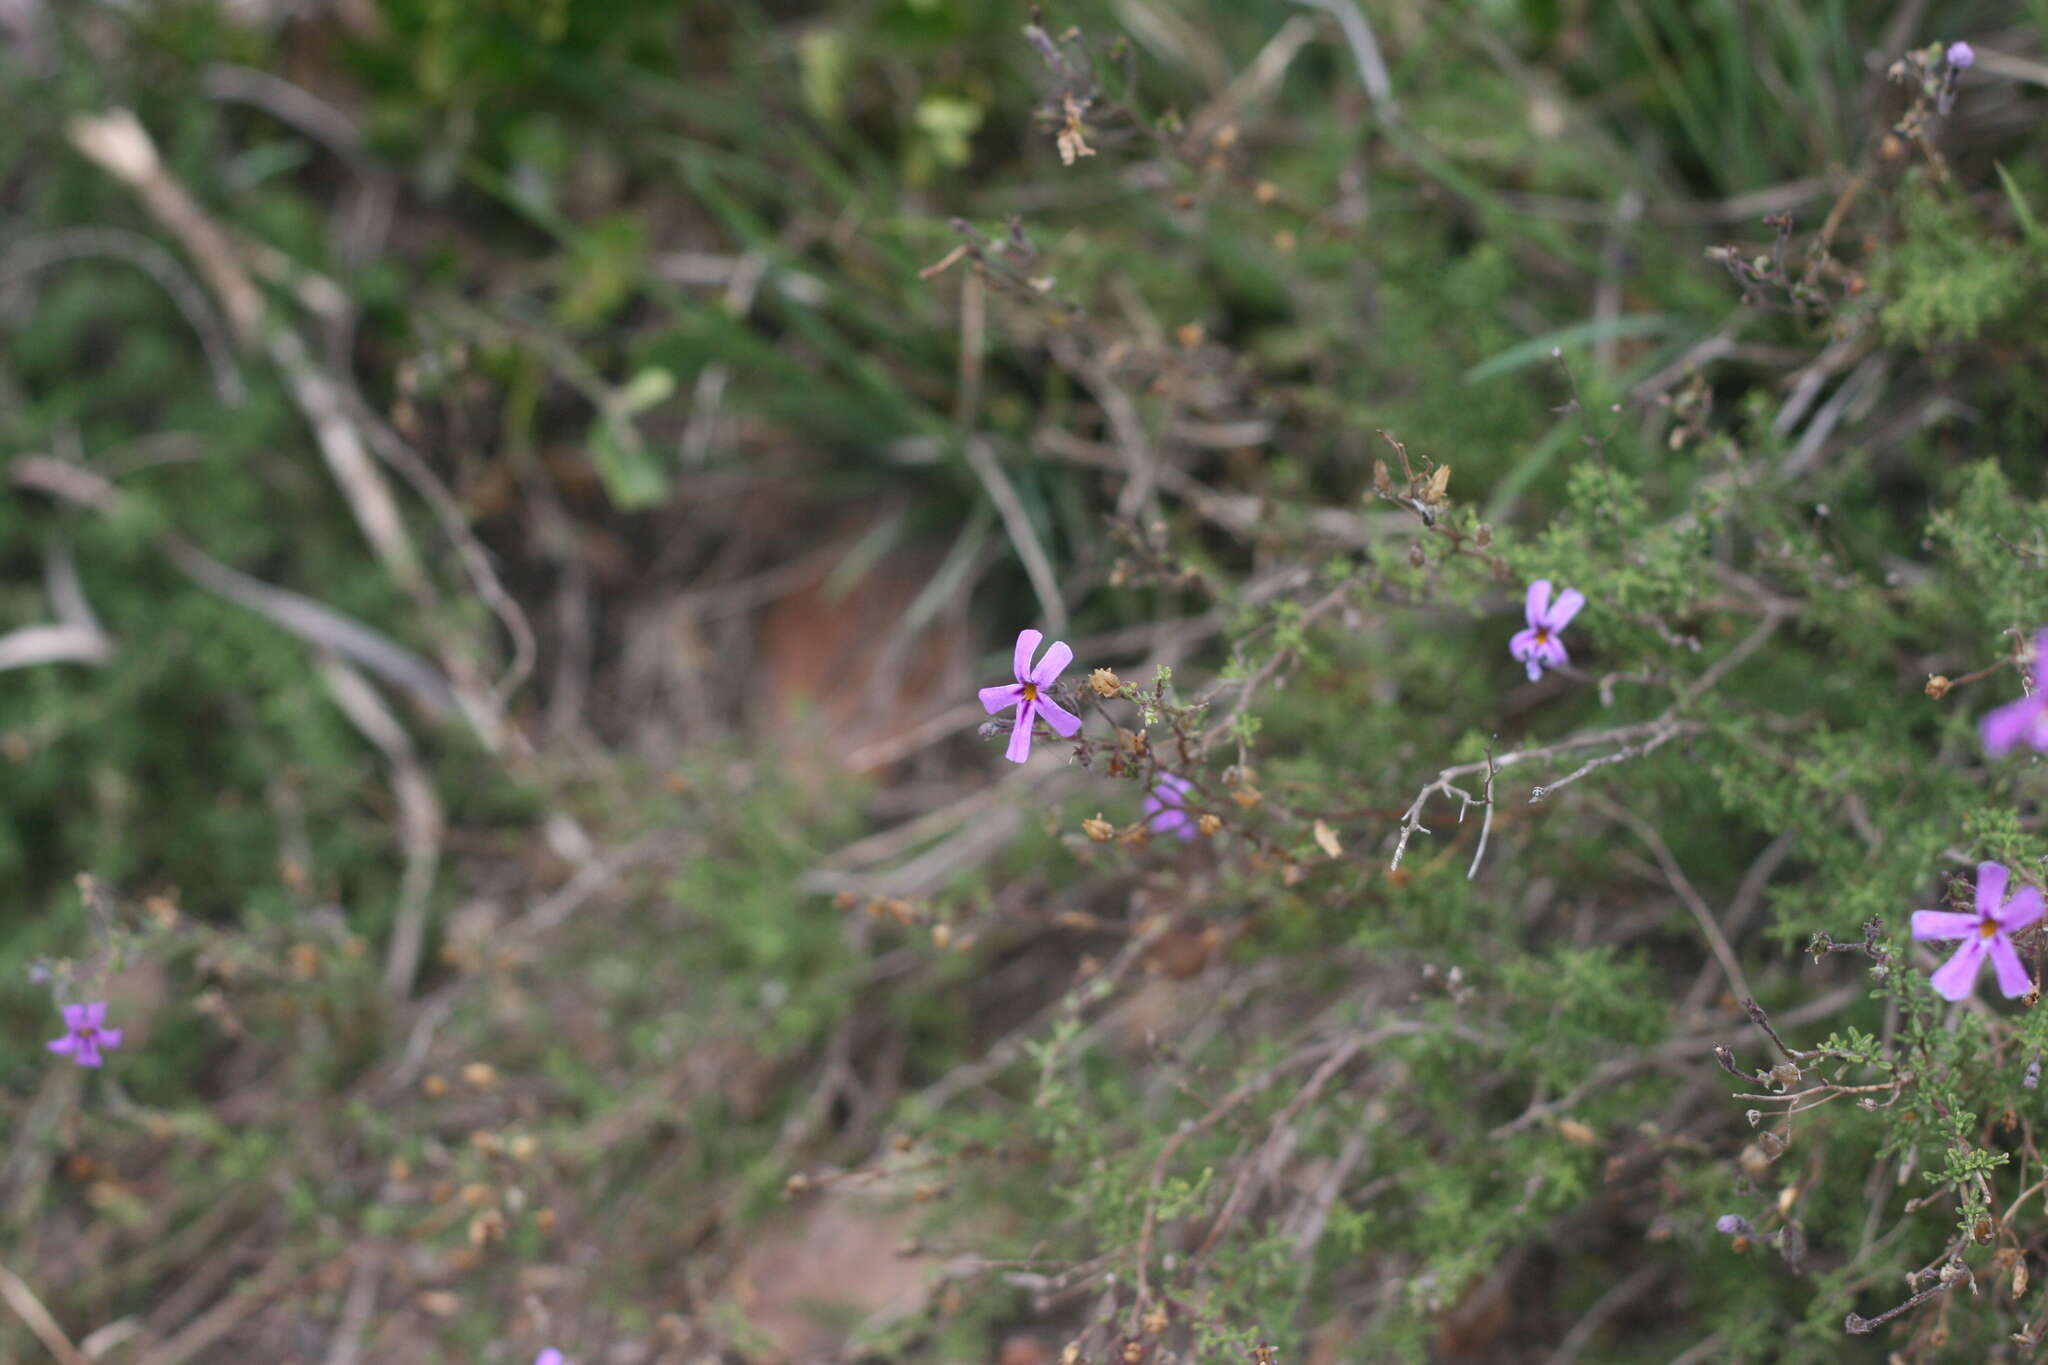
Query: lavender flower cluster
x,y
1985,932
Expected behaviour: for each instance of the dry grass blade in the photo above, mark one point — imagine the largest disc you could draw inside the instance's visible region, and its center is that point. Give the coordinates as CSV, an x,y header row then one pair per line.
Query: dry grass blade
x,y
312,621
1017,522
30,1309
420,819
117,141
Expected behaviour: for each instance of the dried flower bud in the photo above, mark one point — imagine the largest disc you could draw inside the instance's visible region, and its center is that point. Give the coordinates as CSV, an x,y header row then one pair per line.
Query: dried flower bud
x,y
1154,1321
1382,481
888,907
1437,489
1210,824
1134,1351
1189,335
1938,686
433,1087
1577,1133
1416,557
1071,140
1098,829
1265,192
795,1185
485,1228
1104,683
477,1196
481,1075
942,936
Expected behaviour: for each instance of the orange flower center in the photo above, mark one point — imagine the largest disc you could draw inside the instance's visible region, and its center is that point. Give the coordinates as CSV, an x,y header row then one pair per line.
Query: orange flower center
x,y
1542,635
1031,691
1988,929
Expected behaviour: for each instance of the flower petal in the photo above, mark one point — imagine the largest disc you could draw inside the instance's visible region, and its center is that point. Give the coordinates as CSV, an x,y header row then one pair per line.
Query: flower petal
x,y
1523,645
95,1012
1027,645
1536,606
1551,652
1566,607
1055,662
2023,909
2007,725
64,1046
1943,924
1535,670
1954,978
109,1038
1020,733
75,1016
87,1054
1991,879
550,1357
994,699
2013,981
1065,722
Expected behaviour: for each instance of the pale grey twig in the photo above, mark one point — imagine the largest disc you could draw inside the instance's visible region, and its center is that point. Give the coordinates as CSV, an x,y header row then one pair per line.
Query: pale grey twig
x,y
1445,781
1365,51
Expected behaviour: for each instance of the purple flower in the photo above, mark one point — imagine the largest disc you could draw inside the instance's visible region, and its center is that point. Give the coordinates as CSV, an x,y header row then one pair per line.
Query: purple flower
x,y
1733,1225
1030,694
2020,722
1961,55
1166,809
1538,646
550,1357
1988,930
87,1033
